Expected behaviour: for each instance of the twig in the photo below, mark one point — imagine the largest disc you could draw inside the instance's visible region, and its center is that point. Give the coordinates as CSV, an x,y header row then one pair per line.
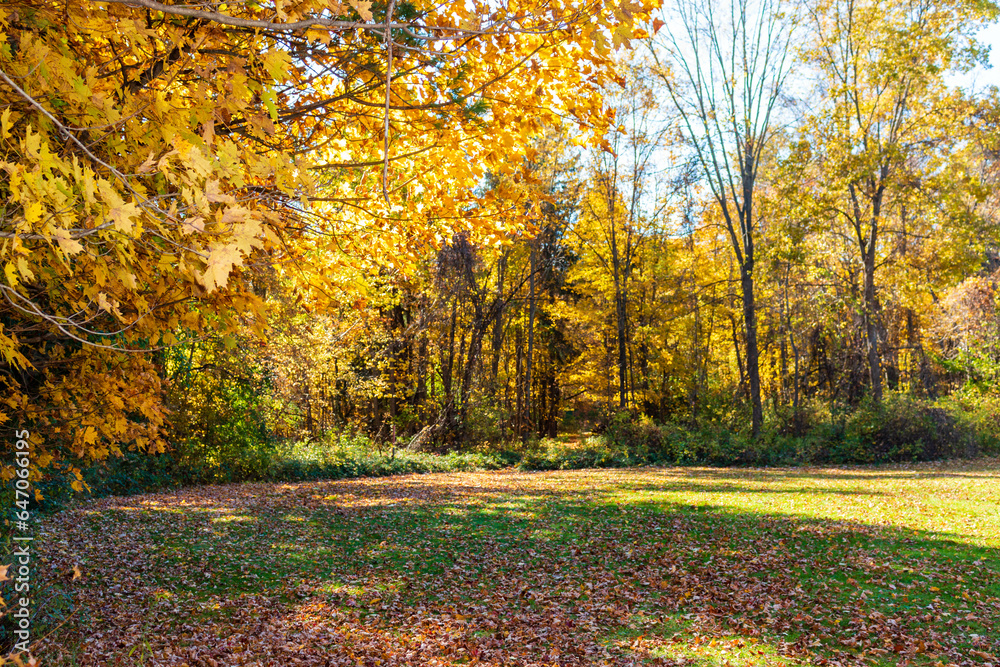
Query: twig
x,y
64,130
388,93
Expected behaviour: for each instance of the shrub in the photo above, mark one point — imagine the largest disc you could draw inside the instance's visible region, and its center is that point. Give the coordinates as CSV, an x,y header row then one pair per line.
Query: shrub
x,y
595,452
978,417
636,436
338,457
901,428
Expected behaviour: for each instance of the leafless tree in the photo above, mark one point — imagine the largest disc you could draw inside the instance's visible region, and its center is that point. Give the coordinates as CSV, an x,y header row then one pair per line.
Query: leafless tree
x,y
723,65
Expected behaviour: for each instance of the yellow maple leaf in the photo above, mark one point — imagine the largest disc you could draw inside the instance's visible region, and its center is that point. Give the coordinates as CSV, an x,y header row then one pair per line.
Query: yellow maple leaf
x,y
122,216
66,242
214,194
33,212
196,224
5,124
220,263
363,8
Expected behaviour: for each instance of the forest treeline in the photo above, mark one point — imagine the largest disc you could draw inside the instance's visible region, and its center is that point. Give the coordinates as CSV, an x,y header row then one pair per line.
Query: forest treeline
x,y
623,306
736,231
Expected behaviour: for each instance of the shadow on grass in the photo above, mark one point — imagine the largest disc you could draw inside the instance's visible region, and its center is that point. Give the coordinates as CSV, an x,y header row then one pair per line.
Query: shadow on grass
x,y
518,570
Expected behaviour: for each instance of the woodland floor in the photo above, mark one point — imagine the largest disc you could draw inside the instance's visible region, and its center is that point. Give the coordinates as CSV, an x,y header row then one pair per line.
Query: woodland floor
x,y
691,566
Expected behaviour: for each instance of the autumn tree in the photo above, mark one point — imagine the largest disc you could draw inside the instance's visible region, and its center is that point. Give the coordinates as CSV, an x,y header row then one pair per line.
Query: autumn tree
x,y
888,126
724,65
620,206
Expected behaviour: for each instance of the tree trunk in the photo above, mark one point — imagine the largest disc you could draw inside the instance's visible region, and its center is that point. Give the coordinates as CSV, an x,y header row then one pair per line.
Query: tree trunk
x,y
795,387
472,358
739,356
542,404
529,362
461,365
752,353
480,324
693,394
790,333
783,364
871,328
620,303
518,383
420,395
867,243
555,397
450,365
498,326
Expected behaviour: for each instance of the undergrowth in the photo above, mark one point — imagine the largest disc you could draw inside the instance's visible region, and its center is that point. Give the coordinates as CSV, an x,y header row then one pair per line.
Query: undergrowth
x,y
900,429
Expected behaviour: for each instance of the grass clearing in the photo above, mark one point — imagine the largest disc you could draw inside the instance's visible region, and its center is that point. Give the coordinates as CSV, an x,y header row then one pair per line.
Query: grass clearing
x,y
696,566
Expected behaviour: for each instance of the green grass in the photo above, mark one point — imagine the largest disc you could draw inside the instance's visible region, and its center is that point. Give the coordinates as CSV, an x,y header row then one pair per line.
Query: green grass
x,y
659,566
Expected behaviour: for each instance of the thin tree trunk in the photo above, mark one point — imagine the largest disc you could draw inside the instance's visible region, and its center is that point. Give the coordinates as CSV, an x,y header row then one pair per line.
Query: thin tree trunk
x,y
790,332
531,338
739,356
472,358
461,362
795,387
783,361
752,353
867,244
696,375
498,326
420,395
555,397
542,404
871,329
449,366
622,348
518,383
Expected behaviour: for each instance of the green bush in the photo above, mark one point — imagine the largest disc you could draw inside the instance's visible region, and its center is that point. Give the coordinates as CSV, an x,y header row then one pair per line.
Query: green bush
x,y
635,437
549,454
901,428
338,457
343,457
978,415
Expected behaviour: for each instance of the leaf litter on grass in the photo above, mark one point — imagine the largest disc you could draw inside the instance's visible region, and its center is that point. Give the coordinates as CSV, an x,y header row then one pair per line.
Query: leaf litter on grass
x,y
845,566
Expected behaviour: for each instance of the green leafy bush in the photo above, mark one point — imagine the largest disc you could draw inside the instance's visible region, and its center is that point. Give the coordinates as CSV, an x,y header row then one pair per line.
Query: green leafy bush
x,y
901,428
550,454
338,457
977,415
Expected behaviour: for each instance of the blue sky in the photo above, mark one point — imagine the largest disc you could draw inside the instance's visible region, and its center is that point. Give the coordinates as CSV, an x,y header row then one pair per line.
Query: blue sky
x,y
981,77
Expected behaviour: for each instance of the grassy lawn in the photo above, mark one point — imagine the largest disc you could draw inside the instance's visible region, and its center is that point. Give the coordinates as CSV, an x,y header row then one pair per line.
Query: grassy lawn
x,y
671,566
